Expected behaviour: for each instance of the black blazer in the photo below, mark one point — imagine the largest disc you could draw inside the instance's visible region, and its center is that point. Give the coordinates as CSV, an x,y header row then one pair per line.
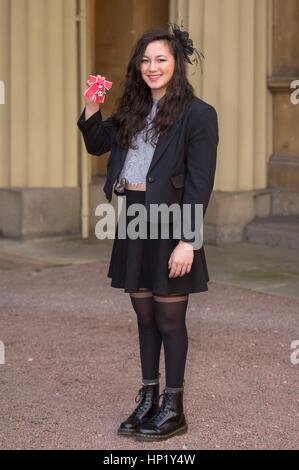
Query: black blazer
x,y
183,166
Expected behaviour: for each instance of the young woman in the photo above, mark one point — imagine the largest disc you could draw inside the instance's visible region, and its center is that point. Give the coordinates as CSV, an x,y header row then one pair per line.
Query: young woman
x,y
163,142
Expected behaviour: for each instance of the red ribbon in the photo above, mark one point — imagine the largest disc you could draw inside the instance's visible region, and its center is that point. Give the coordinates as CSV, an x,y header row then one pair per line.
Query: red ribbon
x,y
98,87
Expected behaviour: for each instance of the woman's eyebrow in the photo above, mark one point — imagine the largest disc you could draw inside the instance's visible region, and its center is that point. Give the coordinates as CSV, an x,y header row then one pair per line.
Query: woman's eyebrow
x,y
161,55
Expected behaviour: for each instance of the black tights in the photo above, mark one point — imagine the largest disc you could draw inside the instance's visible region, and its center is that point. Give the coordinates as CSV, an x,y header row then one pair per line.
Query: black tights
x,y
162,318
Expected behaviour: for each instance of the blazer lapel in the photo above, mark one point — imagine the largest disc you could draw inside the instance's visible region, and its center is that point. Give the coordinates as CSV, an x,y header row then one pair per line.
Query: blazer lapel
x,y
163,142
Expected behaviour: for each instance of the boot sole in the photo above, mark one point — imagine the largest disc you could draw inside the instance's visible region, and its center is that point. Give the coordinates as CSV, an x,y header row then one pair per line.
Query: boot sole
x,y
161,437
126,433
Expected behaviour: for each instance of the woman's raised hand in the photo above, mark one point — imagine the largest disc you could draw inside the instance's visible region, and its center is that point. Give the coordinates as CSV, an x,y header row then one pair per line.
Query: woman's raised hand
x,y
90,106
96,89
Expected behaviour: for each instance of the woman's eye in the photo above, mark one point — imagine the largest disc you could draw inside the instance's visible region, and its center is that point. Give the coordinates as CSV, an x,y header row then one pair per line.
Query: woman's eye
x,y
160,60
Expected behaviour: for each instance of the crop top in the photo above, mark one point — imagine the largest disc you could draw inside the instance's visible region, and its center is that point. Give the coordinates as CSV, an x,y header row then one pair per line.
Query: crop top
x,y
138,161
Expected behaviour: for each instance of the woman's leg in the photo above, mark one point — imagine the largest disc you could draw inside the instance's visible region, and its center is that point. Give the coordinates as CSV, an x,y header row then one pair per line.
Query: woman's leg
x,y
170,314
150,339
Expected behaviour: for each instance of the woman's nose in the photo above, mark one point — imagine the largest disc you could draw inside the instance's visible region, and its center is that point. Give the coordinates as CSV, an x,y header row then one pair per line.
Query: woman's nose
x,y
152,67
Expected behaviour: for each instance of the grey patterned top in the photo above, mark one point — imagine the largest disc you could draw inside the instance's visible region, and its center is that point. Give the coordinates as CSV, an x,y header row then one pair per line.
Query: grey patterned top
x,y
138,161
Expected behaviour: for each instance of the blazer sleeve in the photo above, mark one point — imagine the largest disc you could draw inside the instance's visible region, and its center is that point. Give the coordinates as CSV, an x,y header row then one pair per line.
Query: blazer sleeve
x,y
200,162
97,134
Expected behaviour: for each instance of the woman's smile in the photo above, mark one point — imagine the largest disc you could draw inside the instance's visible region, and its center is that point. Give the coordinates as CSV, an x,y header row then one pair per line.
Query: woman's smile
x,y
154,77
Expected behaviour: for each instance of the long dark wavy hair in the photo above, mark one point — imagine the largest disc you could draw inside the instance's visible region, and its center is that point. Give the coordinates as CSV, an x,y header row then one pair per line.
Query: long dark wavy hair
x,y
135,102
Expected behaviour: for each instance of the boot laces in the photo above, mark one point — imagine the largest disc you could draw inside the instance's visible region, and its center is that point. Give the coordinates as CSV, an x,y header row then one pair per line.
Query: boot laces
x,y
139,399
140,394
163,410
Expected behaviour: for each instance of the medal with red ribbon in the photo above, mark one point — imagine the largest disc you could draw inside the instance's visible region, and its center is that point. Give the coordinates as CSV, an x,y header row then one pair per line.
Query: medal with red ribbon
x,y
98,87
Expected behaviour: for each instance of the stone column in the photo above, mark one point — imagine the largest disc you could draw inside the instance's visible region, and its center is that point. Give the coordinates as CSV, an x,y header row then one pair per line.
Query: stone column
x,y
283,71
38,64
232,35
4,77
38,133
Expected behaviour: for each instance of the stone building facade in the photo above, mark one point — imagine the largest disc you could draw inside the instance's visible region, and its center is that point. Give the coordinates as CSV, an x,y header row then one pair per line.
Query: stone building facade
x,y
48,184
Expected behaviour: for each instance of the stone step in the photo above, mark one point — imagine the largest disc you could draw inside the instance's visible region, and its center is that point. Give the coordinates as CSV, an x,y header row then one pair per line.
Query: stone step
x,y
285,203
274,231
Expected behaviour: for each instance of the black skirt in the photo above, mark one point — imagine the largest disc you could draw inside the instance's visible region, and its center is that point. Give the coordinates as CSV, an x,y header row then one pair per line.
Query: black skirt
x,y
143,263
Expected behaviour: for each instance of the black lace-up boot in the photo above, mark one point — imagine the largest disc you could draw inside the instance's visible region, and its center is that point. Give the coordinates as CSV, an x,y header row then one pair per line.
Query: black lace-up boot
x,y
167,422
148,404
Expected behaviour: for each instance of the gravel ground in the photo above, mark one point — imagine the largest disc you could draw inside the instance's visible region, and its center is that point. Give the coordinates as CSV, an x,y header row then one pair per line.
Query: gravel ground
x,y
72,365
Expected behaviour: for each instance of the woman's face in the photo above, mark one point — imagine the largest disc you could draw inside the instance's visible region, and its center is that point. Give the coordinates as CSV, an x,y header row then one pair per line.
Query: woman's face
x,y
157,67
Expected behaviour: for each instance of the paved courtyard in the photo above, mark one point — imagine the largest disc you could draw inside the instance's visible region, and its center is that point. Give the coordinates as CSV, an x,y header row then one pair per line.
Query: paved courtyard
x,y
72,368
